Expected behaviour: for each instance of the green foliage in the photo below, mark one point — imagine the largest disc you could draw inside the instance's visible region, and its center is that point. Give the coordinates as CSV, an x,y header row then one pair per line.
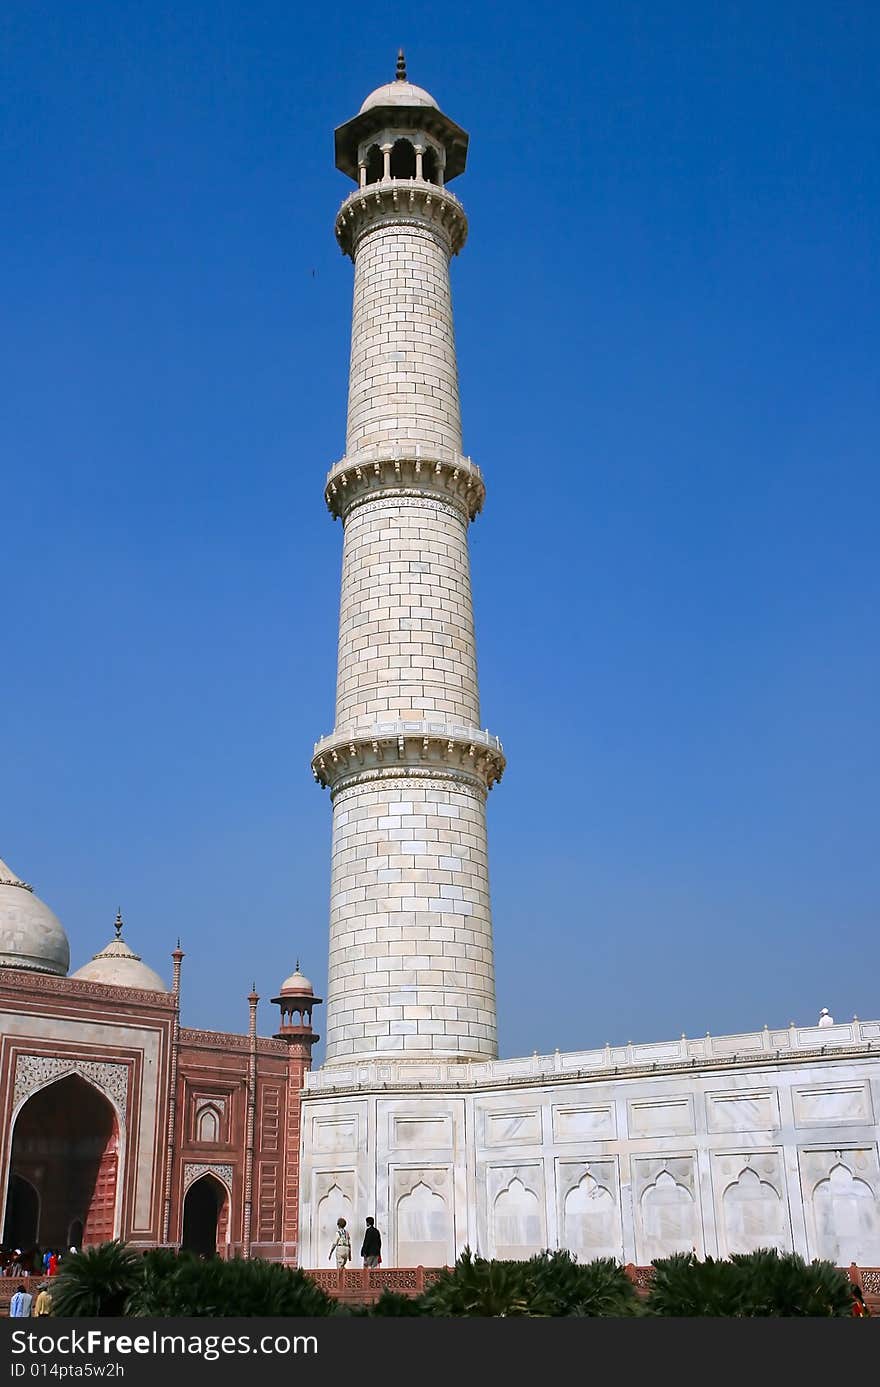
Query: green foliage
x,y
97,1281
550,1284
220,1289
115,1280
762,1283
784,1284
564,1286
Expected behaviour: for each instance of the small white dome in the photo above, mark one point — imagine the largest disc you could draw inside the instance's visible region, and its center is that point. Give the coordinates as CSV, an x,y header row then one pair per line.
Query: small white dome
x,y
119,966
31,936
398,94
297,982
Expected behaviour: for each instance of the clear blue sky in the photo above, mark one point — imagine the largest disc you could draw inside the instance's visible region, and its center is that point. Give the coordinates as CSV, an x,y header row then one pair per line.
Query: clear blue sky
x,y
667,324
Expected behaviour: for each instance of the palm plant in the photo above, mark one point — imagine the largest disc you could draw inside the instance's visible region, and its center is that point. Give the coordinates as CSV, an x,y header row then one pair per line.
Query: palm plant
x,y
476,1287
98,1281
561,1285
216,1288
761,1283
783,1284
548,1284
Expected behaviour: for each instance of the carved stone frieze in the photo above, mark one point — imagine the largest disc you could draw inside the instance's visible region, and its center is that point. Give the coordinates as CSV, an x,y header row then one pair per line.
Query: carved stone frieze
x,y
427,780
393,473
341,759
194,1171
35,1071
227,1040
402,202
84,988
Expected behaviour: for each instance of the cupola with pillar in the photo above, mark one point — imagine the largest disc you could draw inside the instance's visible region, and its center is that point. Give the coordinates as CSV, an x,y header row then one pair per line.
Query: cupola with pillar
x,y
296,1000
401,133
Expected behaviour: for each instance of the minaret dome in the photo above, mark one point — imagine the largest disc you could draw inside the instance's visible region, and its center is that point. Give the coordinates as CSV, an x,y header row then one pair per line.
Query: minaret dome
x,y
401,133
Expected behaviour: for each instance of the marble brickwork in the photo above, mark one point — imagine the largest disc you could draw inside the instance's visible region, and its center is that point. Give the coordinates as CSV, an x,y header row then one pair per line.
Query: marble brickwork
x,y
411,964
406,624
755,1146
404,379
407,764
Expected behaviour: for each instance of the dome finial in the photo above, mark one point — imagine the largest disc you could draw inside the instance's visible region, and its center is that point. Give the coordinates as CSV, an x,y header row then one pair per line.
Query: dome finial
x,y
117,923
401,66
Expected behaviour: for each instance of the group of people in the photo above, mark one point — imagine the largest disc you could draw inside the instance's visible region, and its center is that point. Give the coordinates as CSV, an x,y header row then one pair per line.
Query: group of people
x,y
24,1304
35,1261
371,1249
15,1261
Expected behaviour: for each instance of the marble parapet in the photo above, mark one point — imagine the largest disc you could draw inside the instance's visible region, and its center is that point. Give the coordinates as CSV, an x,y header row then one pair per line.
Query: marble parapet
x,y
753,1047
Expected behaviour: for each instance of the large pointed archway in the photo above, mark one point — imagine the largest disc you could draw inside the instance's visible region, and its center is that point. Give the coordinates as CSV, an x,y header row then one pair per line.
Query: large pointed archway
x,y
205,1217
65,1148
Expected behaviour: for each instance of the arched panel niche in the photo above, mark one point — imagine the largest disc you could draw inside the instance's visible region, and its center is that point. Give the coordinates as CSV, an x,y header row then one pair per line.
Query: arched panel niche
x,y
424,1229
591,1227
754,1214
208,1125
669,1218
334,1205
516,1223
847,1219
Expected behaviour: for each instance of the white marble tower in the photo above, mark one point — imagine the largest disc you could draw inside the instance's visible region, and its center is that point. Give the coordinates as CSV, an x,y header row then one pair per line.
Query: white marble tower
x,y
408,766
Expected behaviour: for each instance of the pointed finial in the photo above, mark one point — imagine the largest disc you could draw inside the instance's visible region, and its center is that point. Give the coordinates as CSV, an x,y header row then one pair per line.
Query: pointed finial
x,y
297,965
401,66
117,923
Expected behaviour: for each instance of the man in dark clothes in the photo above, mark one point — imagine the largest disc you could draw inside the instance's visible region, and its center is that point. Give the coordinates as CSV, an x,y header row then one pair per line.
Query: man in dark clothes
x,y
372,1248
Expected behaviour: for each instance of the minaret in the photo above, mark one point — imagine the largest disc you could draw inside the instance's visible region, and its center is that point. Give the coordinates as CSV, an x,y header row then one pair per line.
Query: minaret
x,y
411,972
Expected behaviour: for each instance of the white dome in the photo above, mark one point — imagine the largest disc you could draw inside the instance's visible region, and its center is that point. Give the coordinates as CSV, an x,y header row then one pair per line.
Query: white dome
x,y
398,94
119,966
31,936
297,982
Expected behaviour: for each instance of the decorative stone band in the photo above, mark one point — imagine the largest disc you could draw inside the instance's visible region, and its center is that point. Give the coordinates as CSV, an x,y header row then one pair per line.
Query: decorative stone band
x,y
220,1170
37,1071
403,201
395,469
403,749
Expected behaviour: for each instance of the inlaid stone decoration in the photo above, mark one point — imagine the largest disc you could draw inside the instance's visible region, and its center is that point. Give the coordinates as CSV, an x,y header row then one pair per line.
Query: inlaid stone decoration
x,y
195,1170
35,1071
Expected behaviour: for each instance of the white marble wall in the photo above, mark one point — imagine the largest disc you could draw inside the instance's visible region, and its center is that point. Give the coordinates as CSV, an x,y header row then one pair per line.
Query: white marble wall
x,y
722,1157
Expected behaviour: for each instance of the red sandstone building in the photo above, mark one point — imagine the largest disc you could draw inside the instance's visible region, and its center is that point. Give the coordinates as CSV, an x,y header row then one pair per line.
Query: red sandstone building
x,y
120,1122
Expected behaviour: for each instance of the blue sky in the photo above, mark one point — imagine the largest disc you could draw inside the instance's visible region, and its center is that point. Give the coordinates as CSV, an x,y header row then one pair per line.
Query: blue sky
x,y
667,327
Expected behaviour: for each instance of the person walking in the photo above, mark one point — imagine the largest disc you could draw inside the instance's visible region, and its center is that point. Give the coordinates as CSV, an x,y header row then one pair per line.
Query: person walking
x,y
20,1305
52,1268
372,1246
341,1245
43,1302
